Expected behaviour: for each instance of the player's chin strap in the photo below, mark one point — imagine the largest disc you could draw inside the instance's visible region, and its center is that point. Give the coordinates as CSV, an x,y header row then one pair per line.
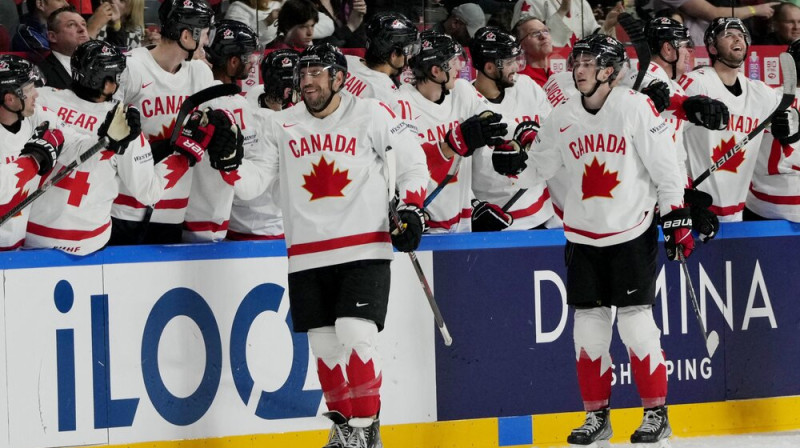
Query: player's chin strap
x,y
597,84
498,82
191,52
330,98
21,109
673,64
733,66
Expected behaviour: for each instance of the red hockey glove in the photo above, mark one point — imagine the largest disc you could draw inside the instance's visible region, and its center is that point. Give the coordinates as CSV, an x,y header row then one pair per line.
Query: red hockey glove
x,y
509,159
488,217
412,222
658,91
225,150
195,137
121,129
704,111
677,227
525,133
475,132
44,147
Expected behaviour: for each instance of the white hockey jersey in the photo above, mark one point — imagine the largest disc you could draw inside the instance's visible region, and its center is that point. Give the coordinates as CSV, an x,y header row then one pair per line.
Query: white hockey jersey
x,y
17,179
619,162
775,188
159,94
333,185
728,185
451,210
526,101
364,82
559,88
75,214
211,198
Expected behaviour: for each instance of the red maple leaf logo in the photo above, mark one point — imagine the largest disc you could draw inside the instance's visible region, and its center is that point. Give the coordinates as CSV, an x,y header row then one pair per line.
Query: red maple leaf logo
x,y
325,181
597,181
165,134
106,154
177,166
525,7
733,163
230,177
437,167
415,197
24,175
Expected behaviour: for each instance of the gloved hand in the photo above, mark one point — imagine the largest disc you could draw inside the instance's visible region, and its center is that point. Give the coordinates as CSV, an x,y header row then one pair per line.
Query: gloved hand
x,y
412,220
475,132
658,91
704,221
704,111
677,227
122,125
509,159
225,150
44,147
786,126
195,137
488,217
526,133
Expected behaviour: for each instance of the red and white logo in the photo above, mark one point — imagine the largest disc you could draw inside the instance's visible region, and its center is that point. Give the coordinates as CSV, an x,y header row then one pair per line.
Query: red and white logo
x,y
105,51
426,45
286,62
490,37
3,65
188,4
397,24
227,34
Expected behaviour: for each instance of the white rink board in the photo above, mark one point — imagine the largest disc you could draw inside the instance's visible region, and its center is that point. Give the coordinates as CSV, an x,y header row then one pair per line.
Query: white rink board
x,y
4,436
213,290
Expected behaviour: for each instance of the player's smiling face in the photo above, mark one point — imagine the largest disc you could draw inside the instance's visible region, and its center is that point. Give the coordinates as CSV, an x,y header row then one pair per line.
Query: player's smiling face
x,y
315,86
732,46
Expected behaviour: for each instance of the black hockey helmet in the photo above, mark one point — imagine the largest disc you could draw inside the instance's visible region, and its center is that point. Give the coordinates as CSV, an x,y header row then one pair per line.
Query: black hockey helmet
x,y
277,72
231,38
664,29
608,52
179,15
323,55
492,44
16,73
389,32
718,26
436,49
95,61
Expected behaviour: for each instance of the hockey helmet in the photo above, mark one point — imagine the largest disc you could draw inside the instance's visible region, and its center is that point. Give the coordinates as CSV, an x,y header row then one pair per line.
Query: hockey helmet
x,y
664,29
95,61
16,73
607,51
718,27
436,49
492,44
389,32
179,15
324,55
277,72
231,38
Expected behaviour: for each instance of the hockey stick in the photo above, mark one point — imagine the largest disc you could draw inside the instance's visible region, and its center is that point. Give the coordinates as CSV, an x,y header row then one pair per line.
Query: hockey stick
x,y
423,280
514,199
789,86
712,338
66,171
451,173
635,30
192,101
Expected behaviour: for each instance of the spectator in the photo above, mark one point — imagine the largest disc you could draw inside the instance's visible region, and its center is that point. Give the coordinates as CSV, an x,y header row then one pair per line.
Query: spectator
x,y
106,13
8,16
698,13
785,25
339,23
296,22
66,29
31,34
128,32
260,15
568,20
462,23
534,36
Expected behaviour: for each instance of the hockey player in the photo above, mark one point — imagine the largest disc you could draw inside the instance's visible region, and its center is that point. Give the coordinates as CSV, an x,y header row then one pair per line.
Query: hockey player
x,y
498,58
261,218
620,160
775,189
75,215
749,102
156,82
330,155
32,139
449,117
391,40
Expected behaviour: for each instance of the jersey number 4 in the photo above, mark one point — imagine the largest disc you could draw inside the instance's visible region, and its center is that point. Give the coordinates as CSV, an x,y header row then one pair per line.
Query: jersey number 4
x,y
77,184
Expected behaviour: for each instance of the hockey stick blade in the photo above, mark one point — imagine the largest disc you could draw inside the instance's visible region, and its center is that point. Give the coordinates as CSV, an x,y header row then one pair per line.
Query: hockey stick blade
x,y
789,86
635,30
102,143
711,339
192,101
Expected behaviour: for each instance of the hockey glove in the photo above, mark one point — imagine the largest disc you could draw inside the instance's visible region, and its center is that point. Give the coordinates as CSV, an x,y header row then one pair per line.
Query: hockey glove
x,y
509,159
677,227
122,125
225,150
785,126
525,133
412,222
704,221
475,132
658,91
195,137
44,147
704,111
488,217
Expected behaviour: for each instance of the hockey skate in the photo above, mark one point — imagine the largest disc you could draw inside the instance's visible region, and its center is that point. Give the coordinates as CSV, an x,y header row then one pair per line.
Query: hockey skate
x,y
341,432
595,431
366,433
654,431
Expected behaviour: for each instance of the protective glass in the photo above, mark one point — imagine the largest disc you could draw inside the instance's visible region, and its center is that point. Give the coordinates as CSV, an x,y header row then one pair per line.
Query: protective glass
x,y
457,62
516,63
411,49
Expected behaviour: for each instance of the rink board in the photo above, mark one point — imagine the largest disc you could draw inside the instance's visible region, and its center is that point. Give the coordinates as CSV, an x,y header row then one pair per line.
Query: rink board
x,y
190,346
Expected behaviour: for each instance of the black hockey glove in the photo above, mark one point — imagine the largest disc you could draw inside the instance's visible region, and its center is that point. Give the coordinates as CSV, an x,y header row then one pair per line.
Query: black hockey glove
x,y
509,159
677,227
475,132
412,221
658,91
195,137
122,125
786,126
44,147
707,112
488,217
704,221
526,133
225,150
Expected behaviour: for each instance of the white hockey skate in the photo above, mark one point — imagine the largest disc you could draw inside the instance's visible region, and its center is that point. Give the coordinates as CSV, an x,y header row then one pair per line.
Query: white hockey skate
x,y
366,433
595,431
341,432
654,431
